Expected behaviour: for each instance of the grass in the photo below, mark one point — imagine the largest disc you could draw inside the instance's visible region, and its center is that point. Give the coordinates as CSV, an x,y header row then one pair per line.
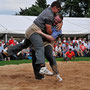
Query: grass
x,y
16,62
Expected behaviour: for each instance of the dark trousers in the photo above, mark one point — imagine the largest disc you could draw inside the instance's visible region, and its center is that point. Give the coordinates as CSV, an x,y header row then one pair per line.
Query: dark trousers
x,y
50,58
1,57
37,42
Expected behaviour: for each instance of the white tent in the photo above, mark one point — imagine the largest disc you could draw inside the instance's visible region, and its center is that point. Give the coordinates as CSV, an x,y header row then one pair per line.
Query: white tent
x,y
17,25
76,26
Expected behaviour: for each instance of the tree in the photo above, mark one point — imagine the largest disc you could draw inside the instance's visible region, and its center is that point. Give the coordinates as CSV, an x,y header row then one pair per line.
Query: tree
x,y
41,3
75,8
35,10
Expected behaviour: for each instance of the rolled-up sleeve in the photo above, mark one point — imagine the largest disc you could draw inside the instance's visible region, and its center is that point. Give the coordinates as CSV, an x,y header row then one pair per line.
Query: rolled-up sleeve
x,y
55,34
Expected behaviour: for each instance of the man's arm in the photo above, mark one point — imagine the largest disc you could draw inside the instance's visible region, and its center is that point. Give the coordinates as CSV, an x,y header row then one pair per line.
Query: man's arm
x,y
49,37
49,29
59,26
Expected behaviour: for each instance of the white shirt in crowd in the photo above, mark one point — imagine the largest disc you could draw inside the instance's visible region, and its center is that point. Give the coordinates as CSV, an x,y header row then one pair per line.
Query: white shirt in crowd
x,y
57,49
70,46
77,48
88,45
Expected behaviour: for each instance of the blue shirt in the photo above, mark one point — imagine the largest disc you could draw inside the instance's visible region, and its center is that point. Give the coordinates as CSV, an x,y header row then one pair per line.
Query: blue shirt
x,y
56,33
1,48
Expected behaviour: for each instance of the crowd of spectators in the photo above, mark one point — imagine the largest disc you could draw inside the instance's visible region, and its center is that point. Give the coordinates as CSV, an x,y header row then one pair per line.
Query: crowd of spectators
x,y
24,54
80,47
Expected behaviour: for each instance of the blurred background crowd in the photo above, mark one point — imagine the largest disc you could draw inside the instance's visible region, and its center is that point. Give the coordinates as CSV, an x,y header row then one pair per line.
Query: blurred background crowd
x,y
80,47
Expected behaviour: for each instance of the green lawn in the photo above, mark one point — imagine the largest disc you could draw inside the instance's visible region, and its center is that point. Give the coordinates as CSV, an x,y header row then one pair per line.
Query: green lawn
x,y
29,61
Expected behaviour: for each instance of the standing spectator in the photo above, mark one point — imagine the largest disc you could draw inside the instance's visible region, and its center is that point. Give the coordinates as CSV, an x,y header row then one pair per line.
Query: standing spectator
x,y
11,41
64,39
79,40
3,43
63,47
69,40
1,49
6,45
74,40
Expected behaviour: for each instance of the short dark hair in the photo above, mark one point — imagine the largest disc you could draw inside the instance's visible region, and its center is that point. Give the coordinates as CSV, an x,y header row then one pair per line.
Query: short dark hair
x,y
56,3
61,16
70,49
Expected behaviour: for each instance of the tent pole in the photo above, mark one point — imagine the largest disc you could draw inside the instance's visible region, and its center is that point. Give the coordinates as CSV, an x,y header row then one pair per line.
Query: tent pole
x,y
88,36
5,37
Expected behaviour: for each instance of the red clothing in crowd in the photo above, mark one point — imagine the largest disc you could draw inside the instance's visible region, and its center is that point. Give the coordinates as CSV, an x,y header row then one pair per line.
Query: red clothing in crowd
x,y
82,47
70,54
11,41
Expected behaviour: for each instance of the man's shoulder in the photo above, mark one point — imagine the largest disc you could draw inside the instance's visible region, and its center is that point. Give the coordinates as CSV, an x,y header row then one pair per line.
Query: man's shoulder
x,y
48,12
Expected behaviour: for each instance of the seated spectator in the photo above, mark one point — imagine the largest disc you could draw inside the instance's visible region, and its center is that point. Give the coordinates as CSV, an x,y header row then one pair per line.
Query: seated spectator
x,y
71,46
77,50
83,49
58,51
69,54
54,53
89,48
59,40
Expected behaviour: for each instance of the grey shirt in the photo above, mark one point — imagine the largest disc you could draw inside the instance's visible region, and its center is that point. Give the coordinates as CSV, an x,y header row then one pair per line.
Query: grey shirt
x,y
46,17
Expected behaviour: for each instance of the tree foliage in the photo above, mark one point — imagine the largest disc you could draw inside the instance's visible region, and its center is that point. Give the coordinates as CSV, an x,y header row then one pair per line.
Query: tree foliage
x,y
71,8
35,10
75,8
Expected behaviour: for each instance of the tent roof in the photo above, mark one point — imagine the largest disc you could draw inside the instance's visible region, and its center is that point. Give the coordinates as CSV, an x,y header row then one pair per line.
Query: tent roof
x,y
76,26
19,24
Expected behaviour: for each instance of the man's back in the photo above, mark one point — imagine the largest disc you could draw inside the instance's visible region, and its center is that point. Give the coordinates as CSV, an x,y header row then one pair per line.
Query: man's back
x,y
46,17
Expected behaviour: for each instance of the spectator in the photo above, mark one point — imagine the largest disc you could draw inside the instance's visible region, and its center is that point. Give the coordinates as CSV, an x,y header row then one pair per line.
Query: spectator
x,y
69,54
83,48
59,40
65,49
74,40
58,51
54,53
71,46
77,50
1,49
89,48
69,40
64,39
3,43
11,41
89,44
